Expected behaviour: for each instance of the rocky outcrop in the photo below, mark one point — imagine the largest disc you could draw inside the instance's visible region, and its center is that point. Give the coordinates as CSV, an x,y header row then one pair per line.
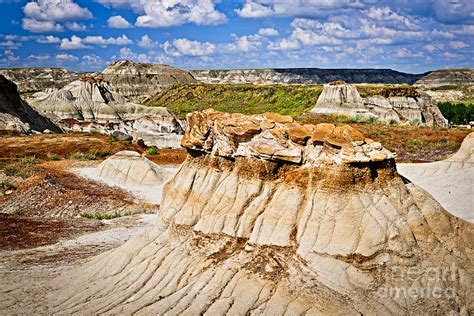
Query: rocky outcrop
x,y
16,115
449,181
447,77
257,234
393,104
41,78
129,167
138,81
90,104
303,76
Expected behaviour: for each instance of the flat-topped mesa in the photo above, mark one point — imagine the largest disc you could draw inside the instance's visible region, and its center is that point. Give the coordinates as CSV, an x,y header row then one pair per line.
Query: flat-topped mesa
x,y
275,137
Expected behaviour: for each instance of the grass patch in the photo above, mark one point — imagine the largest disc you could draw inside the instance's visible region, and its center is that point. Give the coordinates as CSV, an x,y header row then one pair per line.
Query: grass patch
x,y
29,160
152,151
238,98
7,185
16,170
83,156
53,157
98,215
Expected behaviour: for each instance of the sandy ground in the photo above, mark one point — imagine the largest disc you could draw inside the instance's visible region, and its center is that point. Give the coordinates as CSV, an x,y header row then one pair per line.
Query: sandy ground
x,y
146,193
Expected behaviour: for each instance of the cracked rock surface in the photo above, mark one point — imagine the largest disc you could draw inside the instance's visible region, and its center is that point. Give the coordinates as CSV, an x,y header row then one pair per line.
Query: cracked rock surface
x,y
252,233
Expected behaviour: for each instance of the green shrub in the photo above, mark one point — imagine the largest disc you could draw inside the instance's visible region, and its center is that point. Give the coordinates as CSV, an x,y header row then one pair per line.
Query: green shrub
x,y
54,157
457,113
7,185
98,215
152,151
20,155
102,153
29,160
16,170
83,156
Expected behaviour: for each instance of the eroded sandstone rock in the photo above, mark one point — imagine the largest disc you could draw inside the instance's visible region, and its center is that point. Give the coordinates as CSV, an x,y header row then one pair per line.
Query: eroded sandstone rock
x,y
277,138
401,104
252,234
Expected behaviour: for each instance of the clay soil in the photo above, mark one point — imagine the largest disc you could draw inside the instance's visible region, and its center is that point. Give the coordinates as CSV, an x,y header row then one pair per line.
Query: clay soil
x,y
41,199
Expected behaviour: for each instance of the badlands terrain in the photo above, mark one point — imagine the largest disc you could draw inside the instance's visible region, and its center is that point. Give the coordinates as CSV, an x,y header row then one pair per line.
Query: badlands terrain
x,y
147,189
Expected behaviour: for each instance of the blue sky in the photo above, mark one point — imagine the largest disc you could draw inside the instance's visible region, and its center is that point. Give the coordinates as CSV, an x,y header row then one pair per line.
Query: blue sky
x,y
407,35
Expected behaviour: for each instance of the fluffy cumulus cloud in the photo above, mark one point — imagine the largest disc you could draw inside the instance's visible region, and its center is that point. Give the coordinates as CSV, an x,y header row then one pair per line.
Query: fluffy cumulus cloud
x,y
166,13
66,57
49,15
118,22
127,53
184,46
147,42
268,32
76,42
48,39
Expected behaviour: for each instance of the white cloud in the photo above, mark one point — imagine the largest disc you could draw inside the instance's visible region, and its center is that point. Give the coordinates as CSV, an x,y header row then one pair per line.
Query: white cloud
x,y
147,42
458,44
55,10
92,60
405,53
74,26
80,43
118,22
264,8
40,57
35,26
284,44
10,44
66,57
245,43
99,40
13,37
268,32
127,53
74,43
433,47
9,57
187,47
49,39
47,15
165,13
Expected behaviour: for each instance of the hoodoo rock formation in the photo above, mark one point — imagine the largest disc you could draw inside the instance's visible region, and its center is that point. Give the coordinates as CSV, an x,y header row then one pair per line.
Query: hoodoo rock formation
x,y
394,104
90,104
137,81
267,216
451,181
16,115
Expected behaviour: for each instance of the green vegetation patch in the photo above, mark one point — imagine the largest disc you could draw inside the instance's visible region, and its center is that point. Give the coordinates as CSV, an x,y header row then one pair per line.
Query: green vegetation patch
x,y
238,98
83,156
152,151
98,215
457,113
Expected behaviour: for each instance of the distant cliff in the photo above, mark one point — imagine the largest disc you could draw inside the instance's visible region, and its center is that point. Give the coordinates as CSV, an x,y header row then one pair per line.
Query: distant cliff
x,y
40,78
447,77
304,76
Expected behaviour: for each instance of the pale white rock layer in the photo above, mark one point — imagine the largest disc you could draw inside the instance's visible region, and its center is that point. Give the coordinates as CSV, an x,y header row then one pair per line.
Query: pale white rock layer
x,y
451,181
91,104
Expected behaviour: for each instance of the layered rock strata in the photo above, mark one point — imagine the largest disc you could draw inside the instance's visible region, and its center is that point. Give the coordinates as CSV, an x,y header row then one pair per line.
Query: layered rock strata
x,y
90,104
447,77
247,232
16,115
303,76
138,81
398,105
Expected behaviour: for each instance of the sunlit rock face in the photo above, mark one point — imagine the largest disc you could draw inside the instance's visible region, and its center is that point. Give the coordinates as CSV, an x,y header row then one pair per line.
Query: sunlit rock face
x,y
138,81
393,104
90,104
267,216
447,77
16,115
